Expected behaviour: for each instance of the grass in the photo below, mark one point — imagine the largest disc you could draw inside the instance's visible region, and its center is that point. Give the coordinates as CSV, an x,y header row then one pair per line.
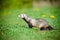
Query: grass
x,y
14,28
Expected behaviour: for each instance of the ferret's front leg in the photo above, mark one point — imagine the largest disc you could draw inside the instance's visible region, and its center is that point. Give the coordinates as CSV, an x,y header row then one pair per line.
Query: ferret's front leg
x,y
30,25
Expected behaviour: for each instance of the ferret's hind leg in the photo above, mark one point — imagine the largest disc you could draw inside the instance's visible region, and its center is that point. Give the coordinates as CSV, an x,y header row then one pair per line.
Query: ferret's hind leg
x,y
43,28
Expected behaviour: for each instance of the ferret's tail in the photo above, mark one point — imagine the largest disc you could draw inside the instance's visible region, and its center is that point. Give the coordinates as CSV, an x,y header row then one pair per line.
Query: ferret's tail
x,y
50,28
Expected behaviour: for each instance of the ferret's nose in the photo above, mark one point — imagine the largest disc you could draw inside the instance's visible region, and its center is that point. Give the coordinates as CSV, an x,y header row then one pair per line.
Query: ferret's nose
x,y
18,15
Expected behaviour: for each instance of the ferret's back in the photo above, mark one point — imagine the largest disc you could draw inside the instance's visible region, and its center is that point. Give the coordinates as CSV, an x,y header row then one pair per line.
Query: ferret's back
x,y
42,21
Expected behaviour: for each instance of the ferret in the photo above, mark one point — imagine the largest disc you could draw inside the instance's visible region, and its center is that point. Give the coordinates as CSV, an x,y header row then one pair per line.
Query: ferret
x,y
40,23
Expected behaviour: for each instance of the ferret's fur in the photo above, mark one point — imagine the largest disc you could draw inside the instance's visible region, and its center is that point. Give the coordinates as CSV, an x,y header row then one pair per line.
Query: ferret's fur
x,y
40,23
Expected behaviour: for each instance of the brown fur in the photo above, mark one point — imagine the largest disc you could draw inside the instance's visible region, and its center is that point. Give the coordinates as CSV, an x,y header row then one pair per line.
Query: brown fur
x,y
40,23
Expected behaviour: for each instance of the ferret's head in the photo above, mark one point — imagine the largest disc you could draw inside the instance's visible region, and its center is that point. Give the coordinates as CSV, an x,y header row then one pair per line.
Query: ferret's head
x,y
22,15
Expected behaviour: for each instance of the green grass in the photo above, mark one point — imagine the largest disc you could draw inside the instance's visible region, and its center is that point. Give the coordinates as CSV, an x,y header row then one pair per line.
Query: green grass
x,y
14,28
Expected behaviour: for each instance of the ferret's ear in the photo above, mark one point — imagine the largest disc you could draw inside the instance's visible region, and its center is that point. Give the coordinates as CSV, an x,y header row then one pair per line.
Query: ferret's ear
x,y
24,15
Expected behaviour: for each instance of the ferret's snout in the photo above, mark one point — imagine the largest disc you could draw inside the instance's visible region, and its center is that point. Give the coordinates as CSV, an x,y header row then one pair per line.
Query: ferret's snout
x,y
18,15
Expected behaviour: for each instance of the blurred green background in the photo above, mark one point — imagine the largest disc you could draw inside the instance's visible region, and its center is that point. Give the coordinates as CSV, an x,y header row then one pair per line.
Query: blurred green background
x,y
14,28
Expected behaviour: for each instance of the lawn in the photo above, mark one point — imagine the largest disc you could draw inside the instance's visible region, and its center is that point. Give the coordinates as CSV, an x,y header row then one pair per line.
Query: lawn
x,y
14,28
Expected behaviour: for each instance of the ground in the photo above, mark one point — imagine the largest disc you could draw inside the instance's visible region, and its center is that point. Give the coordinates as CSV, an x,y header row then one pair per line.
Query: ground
x,y
14,28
